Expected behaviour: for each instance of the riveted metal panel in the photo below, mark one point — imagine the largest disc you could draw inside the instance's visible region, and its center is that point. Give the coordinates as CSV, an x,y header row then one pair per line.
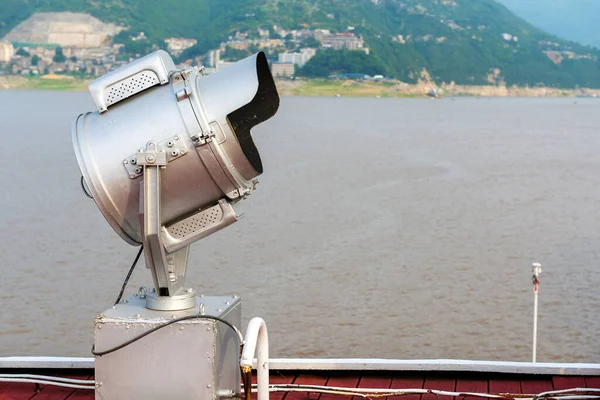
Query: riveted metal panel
x,y
197,358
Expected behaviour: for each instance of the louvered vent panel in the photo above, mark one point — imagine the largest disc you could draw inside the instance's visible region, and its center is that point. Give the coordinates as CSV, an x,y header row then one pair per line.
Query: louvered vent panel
x,y
130,86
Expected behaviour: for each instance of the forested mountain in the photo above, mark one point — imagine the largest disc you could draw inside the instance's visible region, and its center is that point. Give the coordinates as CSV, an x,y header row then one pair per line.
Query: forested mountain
x,y
571,19
465,41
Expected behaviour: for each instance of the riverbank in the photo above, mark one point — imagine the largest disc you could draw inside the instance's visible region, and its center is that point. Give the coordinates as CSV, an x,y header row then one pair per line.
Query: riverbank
x,y
333,88
421,89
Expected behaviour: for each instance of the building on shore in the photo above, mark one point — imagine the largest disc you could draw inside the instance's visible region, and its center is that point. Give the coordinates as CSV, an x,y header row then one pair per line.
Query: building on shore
x,y
213,58
176,46
283,70
341,41
7,51
300,59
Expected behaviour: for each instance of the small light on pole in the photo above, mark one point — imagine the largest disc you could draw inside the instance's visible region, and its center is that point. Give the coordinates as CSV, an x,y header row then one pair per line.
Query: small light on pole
x,y
536,270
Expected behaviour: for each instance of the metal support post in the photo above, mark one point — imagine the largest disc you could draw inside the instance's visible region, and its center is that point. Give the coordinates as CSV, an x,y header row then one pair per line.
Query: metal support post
x,y
537,270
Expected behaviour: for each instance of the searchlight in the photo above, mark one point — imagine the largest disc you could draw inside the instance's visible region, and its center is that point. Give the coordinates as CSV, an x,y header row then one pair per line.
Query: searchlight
x,y
167,156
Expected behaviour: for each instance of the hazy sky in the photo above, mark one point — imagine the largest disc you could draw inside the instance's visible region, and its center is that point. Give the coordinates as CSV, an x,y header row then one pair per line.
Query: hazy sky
x,y
571,19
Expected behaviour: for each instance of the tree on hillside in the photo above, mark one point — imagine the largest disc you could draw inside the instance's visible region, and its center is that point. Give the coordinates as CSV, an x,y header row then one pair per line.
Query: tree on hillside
x,y
59,57
328,62
22,52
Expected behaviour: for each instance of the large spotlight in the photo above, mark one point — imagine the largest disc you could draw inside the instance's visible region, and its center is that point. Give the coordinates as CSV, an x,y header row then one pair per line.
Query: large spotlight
x,y
166,157
169,153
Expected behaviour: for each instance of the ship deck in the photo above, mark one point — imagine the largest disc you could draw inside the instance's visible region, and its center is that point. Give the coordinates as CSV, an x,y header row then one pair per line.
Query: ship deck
x,y
447,375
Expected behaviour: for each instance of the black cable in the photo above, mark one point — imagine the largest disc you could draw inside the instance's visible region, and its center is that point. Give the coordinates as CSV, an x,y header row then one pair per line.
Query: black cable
x,y
135,339
129,274
85,191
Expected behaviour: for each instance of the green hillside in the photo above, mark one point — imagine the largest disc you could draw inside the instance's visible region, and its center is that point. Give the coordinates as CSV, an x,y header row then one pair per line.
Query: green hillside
x,y
448,40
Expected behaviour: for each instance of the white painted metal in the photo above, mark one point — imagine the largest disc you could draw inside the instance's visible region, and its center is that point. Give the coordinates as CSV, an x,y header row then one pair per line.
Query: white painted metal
x,y
372,364
46,362
349,364
257,342
130,79
196,358
537,270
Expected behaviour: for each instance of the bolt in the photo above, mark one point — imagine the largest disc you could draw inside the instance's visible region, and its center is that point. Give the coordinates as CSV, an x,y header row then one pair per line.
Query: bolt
x,y
138,170
174,153
133,160
170,143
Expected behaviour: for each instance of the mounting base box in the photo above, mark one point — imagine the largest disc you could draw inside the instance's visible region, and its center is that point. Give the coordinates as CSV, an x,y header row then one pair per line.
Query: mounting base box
x,y
190,359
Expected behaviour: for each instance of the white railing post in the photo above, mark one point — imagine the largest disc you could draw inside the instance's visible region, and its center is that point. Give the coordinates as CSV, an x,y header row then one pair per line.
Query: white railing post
x,y
537,270
257,341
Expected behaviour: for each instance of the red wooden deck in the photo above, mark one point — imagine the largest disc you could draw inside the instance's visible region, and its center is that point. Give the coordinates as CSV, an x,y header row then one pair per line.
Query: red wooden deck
x,y
460,381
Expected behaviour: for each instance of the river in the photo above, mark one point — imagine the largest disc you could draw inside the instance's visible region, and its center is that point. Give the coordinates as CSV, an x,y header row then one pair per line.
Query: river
x,y
394,228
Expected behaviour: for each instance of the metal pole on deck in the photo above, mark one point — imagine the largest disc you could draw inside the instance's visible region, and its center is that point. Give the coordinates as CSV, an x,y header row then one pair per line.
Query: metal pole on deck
x,y
537,270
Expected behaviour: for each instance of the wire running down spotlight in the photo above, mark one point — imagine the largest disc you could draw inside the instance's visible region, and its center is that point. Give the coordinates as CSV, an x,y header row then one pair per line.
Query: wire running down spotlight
x,y
169,154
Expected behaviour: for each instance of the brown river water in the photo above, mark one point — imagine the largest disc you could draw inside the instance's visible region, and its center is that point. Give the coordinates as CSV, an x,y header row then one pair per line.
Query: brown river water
x,y
393,228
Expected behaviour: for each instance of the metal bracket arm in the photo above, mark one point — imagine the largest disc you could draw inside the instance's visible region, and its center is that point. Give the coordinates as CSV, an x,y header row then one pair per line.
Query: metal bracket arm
x,y
168,269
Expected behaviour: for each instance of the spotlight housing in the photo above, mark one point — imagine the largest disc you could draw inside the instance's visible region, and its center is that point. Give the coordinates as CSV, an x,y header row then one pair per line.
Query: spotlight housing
x,y
169,153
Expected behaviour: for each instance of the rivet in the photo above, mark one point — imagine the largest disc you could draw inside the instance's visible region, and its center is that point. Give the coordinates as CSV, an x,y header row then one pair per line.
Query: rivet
x,y
99,326
190,290
208,386
114,307
173,316
219,310
181,328
138,316
228,303
126,326
182,152
125,162
131,176
176,137
150,158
